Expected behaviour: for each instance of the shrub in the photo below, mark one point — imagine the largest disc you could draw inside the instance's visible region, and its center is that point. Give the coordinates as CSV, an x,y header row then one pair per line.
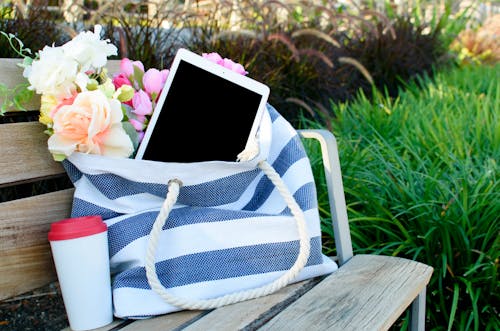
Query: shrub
x,y
150,38
480,45
397,53
37,29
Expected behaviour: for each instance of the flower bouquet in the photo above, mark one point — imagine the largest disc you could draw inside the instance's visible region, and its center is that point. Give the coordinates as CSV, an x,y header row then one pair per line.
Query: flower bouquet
x,y
84,108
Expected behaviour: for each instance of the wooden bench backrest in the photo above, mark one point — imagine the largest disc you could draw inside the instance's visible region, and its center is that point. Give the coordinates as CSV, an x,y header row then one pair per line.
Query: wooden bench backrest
x,y
26,165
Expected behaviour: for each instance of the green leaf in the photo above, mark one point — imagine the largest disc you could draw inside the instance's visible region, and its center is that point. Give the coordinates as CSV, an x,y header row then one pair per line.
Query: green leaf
x,y
27,61
127,112
138,75
59,157
19,48
3,89
23,96
130,130
124,93
454,306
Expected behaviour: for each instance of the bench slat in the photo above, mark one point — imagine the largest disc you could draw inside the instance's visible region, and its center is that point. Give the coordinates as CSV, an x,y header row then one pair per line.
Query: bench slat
x,y
252,313
171,321
24,225
12,75
25,156
247,314
369,292
25,269
26,222
115,325
166,322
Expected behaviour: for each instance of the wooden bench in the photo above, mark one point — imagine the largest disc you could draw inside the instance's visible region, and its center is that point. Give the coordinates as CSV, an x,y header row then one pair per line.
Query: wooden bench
x,y
368,292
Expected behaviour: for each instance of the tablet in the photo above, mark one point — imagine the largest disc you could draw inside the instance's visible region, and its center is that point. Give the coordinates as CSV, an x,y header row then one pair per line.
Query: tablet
x,y
205,112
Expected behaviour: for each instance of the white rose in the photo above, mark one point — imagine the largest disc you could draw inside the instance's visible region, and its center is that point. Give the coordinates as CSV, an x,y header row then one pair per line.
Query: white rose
x,y
53,73
89,50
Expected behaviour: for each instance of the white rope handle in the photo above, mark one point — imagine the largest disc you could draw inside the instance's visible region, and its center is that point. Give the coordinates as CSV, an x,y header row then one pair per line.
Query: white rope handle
x,y
282,281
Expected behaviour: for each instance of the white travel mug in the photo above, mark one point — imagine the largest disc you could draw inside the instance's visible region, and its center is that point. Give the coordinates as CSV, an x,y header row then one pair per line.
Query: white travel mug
x,y
80,251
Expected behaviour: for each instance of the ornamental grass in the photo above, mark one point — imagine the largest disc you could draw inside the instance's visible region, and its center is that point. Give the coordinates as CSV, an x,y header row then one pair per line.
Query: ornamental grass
x,y
422,181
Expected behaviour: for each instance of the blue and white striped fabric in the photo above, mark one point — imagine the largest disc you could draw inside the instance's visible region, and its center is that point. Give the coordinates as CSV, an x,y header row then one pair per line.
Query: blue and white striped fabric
x,y
229,231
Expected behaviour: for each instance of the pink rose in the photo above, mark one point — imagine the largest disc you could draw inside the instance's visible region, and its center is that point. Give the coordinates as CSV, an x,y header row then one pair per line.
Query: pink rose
x,y
142,103
121,79
127,66
236,67
214,57
153,81
92,124
227,63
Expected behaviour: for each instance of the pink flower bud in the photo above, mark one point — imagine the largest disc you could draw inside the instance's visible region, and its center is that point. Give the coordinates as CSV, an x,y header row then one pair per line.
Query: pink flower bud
x,y
164,75
140,135
153,81
138,126
127,66
121,79
142,103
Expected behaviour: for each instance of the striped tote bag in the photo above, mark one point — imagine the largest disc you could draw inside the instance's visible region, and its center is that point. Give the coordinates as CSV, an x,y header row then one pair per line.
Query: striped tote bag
x,y
206,234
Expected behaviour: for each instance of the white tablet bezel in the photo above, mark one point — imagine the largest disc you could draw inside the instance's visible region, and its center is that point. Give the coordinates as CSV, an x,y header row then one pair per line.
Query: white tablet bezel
x,y
219,70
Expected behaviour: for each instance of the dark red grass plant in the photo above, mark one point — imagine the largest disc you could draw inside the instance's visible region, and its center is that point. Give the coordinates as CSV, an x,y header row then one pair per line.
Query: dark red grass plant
x,y
393,59
299,54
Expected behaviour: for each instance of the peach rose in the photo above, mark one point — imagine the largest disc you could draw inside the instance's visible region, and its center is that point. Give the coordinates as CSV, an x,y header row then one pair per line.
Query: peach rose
x,y
92,124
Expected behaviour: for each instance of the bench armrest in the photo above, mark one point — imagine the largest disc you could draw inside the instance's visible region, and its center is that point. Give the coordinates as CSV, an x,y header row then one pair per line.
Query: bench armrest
x,y
333,175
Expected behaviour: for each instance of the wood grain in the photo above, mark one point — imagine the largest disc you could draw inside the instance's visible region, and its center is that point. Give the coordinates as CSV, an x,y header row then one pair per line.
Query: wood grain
x,y
24,269
247,314
26,222
367,293
25,155
172,321
117,324
26,261
252,313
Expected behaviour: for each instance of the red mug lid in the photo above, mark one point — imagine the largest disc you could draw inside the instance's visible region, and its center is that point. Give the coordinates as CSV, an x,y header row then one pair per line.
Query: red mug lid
x,y
76,227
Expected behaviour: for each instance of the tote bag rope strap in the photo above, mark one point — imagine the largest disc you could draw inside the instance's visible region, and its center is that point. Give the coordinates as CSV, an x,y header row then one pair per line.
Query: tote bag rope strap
x,y
277,284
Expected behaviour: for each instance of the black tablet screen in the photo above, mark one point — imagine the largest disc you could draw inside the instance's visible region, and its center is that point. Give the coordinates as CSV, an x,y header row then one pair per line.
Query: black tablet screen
x,y
204,118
